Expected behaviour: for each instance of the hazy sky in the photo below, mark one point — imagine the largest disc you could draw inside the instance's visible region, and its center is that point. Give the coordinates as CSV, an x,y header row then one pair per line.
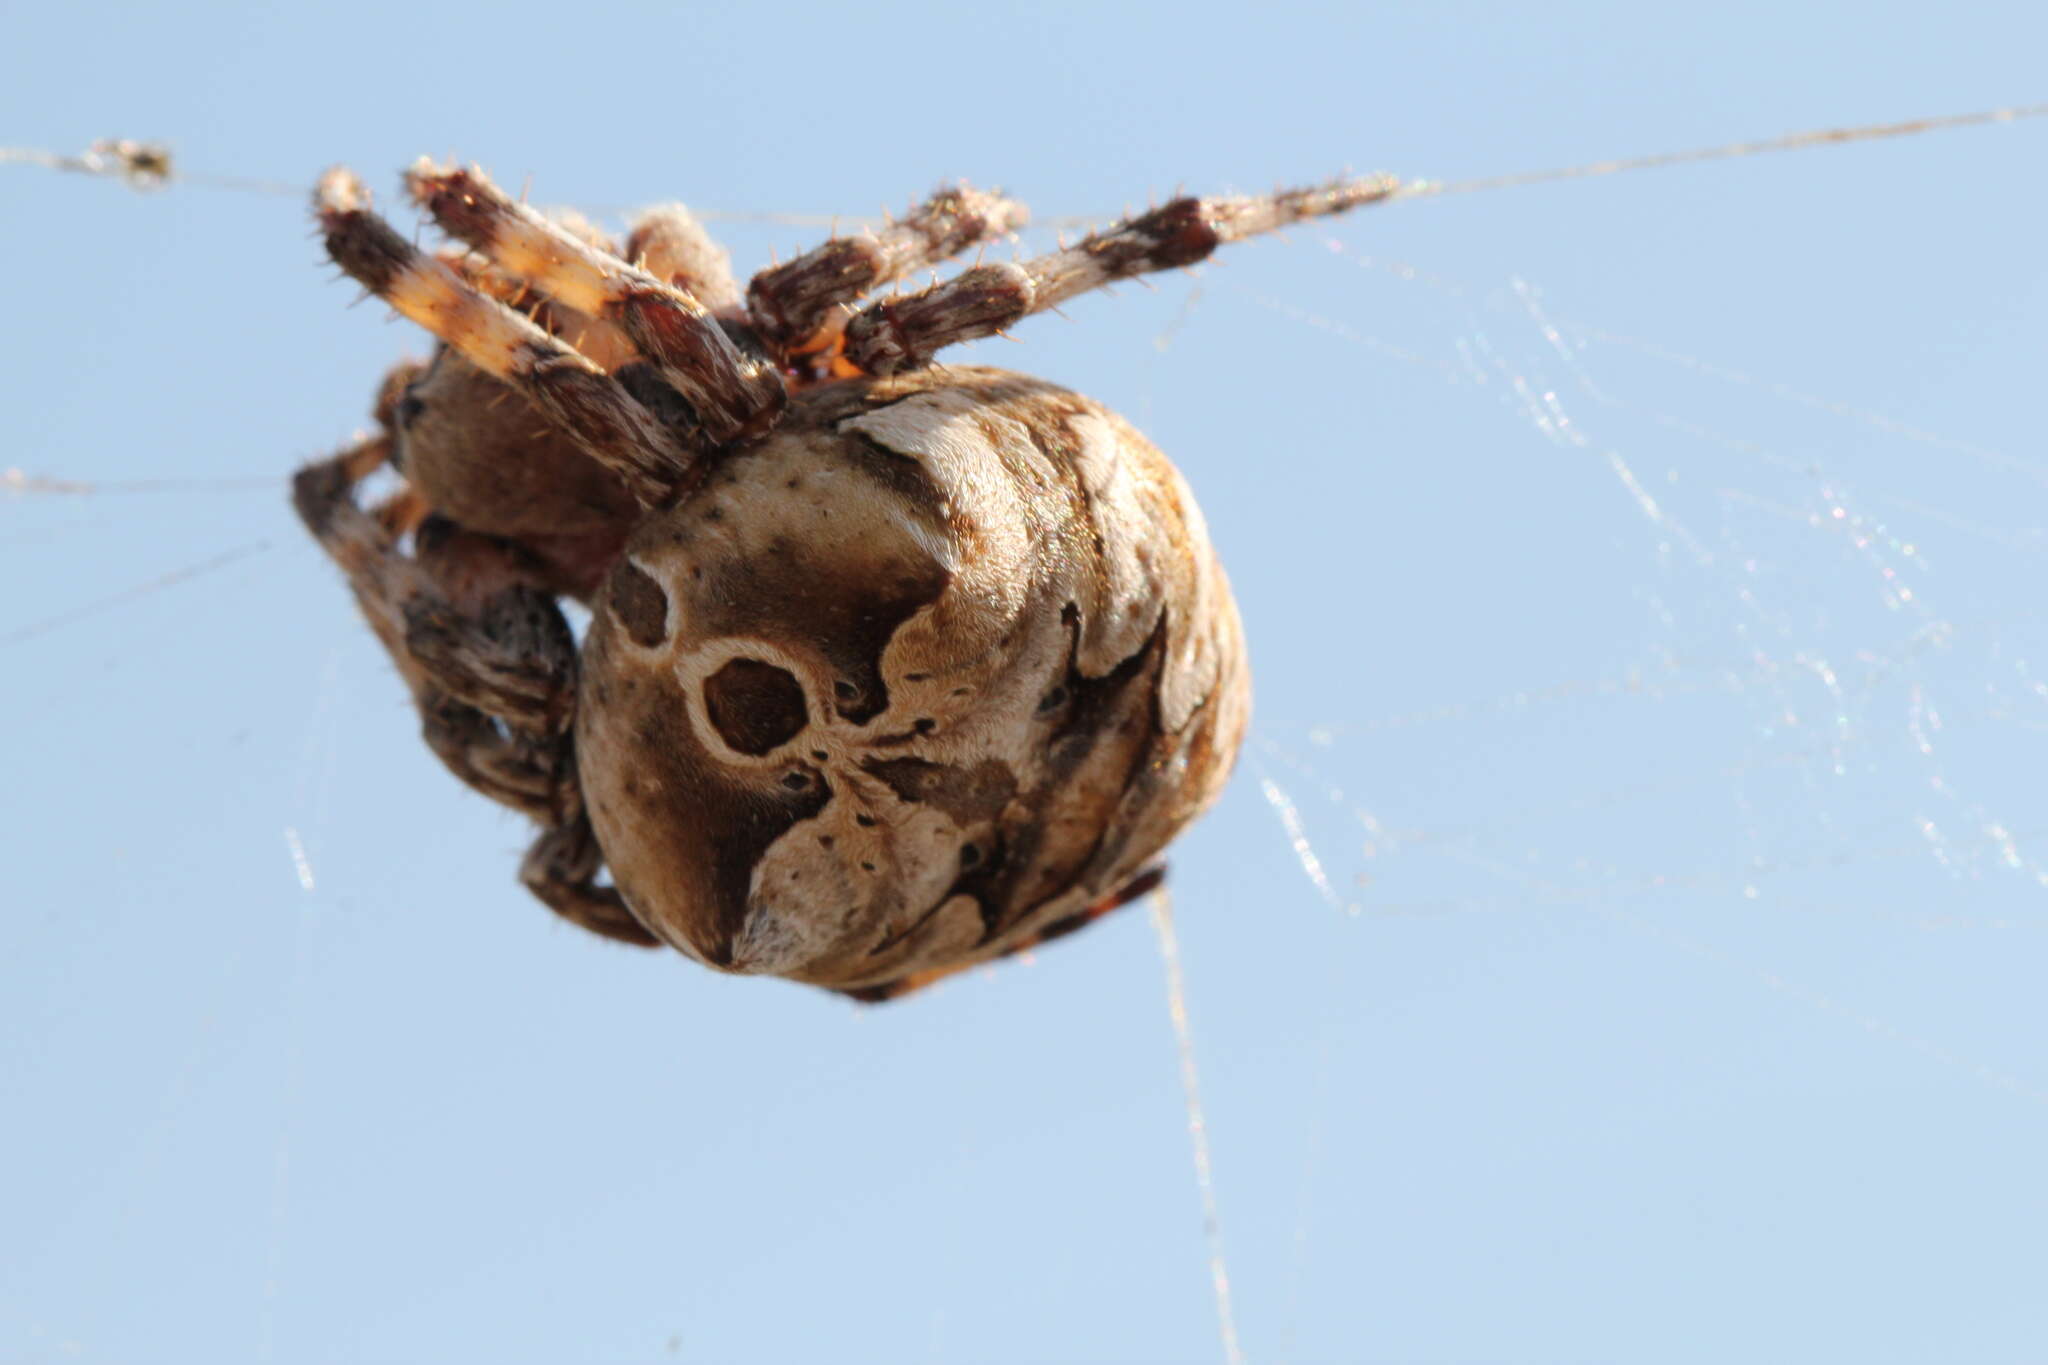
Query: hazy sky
x,y
1642,576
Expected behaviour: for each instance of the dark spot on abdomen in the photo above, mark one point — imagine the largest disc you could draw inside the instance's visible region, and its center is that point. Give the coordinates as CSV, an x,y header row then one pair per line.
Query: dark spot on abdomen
x,y
639,604
755,707
968,796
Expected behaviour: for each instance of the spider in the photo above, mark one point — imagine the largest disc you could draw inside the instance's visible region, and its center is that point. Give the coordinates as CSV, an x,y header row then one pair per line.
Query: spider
x,y
891,669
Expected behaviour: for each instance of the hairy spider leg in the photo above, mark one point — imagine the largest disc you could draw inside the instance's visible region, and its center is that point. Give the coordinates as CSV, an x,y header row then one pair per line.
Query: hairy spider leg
x,y
561,870
801,307
732,395
505,654
602,343
491,664
582,400
899,334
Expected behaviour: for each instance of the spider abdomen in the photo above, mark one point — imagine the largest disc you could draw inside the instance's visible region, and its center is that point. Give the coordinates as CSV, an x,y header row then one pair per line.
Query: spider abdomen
x,y
939,665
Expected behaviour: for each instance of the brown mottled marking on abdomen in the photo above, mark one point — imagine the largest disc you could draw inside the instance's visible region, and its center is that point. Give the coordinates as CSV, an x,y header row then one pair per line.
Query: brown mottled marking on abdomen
x,y
969,795
950,661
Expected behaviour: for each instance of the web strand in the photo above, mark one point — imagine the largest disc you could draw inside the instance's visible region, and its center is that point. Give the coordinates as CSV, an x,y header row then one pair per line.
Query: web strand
x,y
70,616
151,165
1198,1124
1786,142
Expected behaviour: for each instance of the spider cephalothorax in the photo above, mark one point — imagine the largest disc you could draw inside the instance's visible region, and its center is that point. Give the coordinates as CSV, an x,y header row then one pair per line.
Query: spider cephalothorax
x,y
891,668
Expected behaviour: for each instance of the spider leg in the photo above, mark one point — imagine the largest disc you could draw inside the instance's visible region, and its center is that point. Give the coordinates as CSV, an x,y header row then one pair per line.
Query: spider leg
x,y
491,664
587,404
800,307
489,658
561,869
517,769
506,650
903,333
733,395
603,344
666,242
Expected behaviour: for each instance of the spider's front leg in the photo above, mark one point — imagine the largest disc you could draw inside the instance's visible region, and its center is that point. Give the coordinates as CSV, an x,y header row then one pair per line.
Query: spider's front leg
x,y
734,395
801,307
894,335
583,402
489,659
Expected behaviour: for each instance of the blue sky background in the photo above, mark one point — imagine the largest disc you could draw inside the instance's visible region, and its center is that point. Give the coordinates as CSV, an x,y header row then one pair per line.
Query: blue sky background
x,y
1643,575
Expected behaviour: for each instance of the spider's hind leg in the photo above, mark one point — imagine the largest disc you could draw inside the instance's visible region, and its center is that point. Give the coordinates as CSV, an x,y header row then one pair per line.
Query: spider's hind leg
x,y
561,869
462,619
489,659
